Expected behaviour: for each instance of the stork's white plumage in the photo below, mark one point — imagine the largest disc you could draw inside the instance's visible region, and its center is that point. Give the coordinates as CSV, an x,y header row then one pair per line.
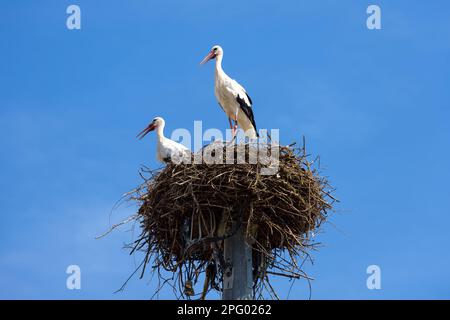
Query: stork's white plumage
x,y
166,149
232,97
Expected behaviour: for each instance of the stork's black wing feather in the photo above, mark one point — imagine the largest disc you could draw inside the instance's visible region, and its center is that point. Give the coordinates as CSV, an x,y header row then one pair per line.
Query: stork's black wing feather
x,y
247,109
249,99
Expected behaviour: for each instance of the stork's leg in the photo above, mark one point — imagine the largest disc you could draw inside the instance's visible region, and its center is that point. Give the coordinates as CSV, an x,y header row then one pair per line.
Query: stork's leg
x,y
235,123
233,131
231,125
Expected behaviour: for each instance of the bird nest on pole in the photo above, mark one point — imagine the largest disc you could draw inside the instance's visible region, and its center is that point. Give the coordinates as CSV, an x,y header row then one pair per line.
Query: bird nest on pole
x,y
186,210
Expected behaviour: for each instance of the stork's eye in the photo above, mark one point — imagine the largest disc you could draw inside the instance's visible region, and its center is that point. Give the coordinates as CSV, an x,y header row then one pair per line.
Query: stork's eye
x,y
215,49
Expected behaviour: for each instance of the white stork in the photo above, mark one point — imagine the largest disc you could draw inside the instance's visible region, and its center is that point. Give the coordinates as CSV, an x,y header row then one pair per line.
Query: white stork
x,y
166,149
232,97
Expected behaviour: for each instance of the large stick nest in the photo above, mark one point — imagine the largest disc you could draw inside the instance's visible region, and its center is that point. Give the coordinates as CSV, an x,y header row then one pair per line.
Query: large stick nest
x,y
187,210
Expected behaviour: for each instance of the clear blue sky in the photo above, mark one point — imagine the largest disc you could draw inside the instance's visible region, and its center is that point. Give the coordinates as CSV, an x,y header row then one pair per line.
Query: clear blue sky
x,y
373,104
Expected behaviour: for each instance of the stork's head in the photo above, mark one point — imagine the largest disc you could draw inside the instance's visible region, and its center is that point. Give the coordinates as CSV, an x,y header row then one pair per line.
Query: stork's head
x,y
215,52
158,122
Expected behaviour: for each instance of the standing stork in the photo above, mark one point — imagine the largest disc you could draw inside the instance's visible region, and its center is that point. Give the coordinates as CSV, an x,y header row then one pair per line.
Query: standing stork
x,y
166,149
232,97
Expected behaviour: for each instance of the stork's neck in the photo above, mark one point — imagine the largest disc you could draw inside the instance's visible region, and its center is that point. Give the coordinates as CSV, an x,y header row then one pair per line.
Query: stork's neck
x,y
219,64
160,132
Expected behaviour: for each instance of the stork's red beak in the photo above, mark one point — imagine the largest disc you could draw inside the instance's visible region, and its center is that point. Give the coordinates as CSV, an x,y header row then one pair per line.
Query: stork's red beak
x,y
211,55
144,132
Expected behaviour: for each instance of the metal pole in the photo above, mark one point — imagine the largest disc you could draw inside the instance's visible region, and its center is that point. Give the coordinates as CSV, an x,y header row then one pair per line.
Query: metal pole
x,y
238,275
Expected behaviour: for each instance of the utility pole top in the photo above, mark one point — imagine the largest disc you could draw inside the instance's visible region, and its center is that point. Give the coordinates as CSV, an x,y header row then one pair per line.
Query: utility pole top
x,y
238,274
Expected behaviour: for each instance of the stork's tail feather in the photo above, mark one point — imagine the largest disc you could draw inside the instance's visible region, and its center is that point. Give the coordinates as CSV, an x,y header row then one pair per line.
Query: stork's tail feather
x,y
248,111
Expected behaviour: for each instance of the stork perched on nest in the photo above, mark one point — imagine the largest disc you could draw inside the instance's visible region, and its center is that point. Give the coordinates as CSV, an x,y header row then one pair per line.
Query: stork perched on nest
x,y
232,97
166,149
